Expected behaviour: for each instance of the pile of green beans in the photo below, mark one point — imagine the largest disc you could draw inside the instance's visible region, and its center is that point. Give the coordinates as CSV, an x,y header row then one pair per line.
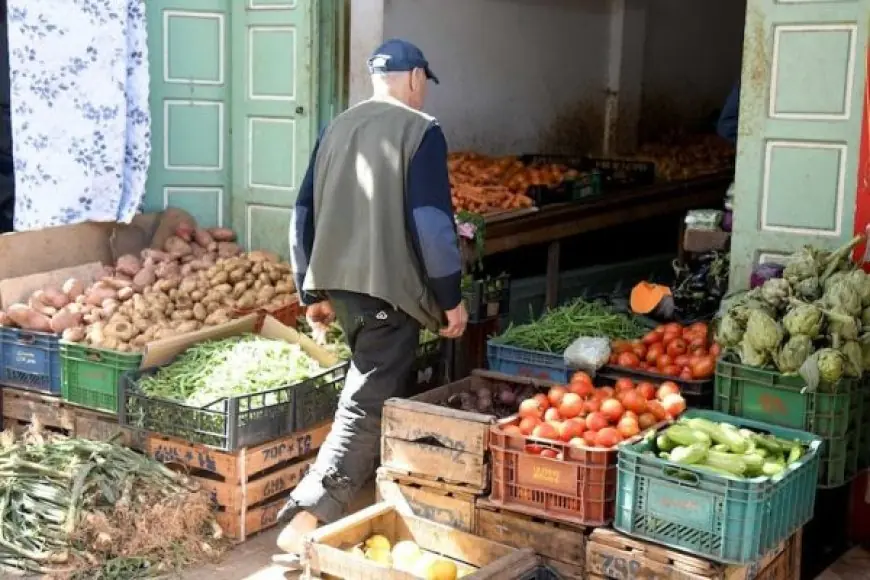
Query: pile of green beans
x,y
558,328
47,486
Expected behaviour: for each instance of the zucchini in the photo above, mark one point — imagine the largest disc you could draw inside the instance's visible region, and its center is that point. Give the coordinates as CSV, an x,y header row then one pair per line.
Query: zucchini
x,y
663,443
694,453
720,434
767,443
754,463
727,462
794,454
722,448
772,468
685,436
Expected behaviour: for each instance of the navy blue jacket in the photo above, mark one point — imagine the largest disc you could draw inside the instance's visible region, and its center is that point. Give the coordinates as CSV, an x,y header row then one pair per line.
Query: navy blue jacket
x,y
727,125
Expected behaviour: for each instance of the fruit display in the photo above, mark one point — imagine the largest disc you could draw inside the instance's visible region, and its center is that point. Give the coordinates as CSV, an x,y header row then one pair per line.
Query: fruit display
x,y
671,350
583,415
813,320
406,556
687,157
726,450
482,184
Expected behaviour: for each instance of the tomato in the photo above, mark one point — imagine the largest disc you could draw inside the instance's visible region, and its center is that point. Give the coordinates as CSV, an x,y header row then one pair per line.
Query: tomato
x,y
686,374
527,424
605,392
651,338
634,402
551,453
657,410
676,347
628,360
670,337
703,368
667,388
715,349
644,366
628,427
571,406
674,405
664,361
608,437
638,348
571,429
646,421
581,377
545,431
613,358
552,414
671,371
673,327
534,449
531,408
654,352
623,384
612,410
581,389
595,421
592,406
700,328
683,360
648,390
620,346
589,438
698,341
555,395
543,401
577,442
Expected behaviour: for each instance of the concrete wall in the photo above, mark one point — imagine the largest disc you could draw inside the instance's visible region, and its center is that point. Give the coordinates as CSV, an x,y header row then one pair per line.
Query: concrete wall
x,y
533,75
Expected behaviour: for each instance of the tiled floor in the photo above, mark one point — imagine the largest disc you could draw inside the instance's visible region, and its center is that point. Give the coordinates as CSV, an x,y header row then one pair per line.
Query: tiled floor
x,y
253,559
854,565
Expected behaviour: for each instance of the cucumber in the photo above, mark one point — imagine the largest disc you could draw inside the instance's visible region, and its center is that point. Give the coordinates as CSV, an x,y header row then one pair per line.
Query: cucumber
x,y
694,453
727,462
685,436
736,442
664,443
771,468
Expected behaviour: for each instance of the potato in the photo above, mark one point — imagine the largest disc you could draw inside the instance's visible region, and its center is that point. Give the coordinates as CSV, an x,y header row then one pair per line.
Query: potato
x,y
167,284
74,334
128,264
177,247
219,278
125,294
186,314
197,295
281,299
108,343
95,333
109,306
187,326
262,256
65,319
199,312
155,256
222,234
185,230
228,249
120,329
239,289
39,303
212,307
223,290
73,288
246,301
219,316
145,277
166,270
282,287
265,294
237,275
141,324
116,282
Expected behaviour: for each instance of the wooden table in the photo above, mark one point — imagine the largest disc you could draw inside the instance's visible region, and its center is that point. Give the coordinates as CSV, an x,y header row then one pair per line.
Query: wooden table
x,y
552,224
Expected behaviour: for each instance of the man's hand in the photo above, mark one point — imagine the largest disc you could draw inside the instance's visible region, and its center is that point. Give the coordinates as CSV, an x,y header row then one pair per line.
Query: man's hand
x,y
456,321
319,316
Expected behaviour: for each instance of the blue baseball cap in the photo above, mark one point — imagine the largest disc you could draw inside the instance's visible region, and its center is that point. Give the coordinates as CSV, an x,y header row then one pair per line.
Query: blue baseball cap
x,y
397,55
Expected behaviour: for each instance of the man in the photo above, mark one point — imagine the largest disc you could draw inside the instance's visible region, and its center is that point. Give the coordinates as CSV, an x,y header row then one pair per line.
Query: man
x,y
373,244
728,120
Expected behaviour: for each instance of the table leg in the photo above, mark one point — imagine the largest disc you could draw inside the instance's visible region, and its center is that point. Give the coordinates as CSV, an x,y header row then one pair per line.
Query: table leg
x,y
552,292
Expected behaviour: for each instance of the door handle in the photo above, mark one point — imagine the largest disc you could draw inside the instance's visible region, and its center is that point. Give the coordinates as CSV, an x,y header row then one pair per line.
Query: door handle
x,y
300,110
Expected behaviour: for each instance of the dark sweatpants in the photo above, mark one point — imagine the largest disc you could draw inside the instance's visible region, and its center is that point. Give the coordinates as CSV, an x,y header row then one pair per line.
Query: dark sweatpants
x,y
383,341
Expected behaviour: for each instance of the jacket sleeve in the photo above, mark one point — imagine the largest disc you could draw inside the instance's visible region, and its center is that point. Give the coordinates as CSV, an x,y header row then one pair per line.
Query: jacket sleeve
x,y
430,219
728,121
302,230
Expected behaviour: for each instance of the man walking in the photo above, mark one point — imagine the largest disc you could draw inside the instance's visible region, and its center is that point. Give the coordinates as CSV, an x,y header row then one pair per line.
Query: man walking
x,y
374,245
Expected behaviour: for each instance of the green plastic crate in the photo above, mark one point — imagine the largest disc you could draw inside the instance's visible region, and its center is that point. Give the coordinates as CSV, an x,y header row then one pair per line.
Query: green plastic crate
x,y
719,518
771,397
91,376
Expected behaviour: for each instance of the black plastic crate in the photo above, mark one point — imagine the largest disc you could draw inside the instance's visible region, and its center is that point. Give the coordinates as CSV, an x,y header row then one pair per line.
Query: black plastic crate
x,y
621,173
487,299
317,402
698,394
585,184
232,422
429,365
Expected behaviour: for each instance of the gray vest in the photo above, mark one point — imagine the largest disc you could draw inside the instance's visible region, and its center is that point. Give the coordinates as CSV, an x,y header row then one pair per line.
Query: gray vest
x,y
362,243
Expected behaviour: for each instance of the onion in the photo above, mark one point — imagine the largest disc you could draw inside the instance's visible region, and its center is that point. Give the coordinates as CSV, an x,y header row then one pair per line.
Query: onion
x,y
455,401
483,393
764,272
507,396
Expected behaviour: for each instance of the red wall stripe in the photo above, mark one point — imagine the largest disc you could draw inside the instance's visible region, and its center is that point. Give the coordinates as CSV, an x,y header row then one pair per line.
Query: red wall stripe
x,y
862,194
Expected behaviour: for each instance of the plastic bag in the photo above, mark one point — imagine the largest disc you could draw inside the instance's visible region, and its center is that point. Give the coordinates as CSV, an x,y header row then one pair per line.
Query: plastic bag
x,y
587,353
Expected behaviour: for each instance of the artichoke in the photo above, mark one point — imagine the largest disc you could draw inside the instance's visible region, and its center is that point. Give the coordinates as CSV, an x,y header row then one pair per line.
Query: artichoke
x,y
842,325
835,278
805,263
843,296
832,365
763,333
752,357
776,292
804,319
809,289
854,359
865,317
793,353
861,282
729,331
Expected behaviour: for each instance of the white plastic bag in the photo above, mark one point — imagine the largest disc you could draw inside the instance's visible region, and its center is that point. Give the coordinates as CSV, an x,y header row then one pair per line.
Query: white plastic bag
x,y
587,353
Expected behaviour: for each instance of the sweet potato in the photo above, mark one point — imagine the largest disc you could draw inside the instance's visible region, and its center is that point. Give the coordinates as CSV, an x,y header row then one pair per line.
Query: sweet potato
x,y
73,288
156,256
145,277
39,303
27,318
166,270
203,238
100,292
128,264
228,249
177,247
65,319
54,297
74,334
185,230
222,234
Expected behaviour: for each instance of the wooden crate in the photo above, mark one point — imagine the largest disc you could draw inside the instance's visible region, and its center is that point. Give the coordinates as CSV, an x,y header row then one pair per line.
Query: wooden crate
x,y
21,407
433,500
614,556
562,546
325,554
249,485
420,437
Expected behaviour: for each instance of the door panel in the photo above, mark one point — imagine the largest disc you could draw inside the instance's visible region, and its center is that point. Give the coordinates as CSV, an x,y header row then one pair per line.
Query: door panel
x,y
273,108
800,123
190,93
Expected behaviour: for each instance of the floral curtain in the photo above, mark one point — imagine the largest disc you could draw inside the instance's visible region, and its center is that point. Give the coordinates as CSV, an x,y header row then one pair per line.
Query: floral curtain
x,y
80,117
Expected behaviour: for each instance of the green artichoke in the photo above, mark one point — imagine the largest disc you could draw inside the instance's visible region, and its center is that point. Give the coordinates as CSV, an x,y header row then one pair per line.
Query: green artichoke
x,y
861,282
842,325
776,292
752,357
793,353
843,296
865,317
729,331
763,333
805,263
808,289
804,319
834,278
854,359
832,365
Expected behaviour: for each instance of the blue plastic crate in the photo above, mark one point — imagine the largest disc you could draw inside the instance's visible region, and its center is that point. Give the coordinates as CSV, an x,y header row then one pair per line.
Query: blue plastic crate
x,y
30,360
521,362
728,520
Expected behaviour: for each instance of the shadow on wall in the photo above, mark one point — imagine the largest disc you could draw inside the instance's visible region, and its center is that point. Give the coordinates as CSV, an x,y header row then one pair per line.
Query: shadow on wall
x,y
576,130
662,115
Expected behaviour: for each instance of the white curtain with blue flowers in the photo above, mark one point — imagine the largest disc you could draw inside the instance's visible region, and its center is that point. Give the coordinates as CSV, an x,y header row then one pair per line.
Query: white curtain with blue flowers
x,y
79,106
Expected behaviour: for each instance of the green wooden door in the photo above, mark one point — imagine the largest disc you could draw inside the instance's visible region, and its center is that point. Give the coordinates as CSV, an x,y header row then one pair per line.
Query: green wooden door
x,y
273,116
190,108
800,128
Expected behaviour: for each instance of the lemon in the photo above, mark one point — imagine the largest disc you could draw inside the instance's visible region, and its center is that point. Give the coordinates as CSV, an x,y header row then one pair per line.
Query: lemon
x,y
378,542
441,570
380,556
405,555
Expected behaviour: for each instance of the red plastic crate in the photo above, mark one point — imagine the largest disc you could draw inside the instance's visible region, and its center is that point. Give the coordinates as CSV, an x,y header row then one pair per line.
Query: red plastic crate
x,y
287,314
577,487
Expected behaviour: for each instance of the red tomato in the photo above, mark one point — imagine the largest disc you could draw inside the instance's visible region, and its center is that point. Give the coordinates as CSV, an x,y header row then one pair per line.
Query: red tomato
x,y
700,328
671,371
608,437
531,408
652,338
581,377
673,327
676,347
654,352
703,368
592,406
613,358
582,389
572,405
552,414
555,395
648,390
527,424
674,405
657,410
623,384
639,349
571,429
534,449
589,437
646,421
628,427
670,337
543,401
595,421
612,409
620,346
686,374
683,360
604,392
577,442
664,361
635,402
545,431
644,366
667,388
628,360
551,453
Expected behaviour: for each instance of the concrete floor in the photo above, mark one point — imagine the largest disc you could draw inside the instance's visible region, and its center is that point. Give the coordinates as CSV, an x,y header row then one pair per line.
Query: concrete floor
x,y
253,559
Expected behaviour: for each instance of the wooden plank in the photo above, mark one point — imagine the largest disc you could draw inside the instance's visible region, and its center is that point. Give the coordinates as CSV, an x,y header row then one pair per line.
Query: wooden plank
x,y
238,465
241,526
26,406
566,571
558,542
415,421
234,497
450,465
451,509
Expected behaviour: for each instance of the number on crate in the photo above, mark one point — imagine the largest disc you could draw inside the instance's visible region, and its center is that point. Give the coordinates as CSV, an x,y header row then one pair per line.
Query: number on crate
x,y
303,447
171,454
772,404
270,514
622,569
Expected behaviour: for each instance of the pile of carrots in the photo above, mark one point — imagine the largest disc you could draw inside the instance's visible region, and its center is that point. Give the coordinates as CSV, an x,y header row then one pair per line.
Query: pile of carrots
x,y
482,184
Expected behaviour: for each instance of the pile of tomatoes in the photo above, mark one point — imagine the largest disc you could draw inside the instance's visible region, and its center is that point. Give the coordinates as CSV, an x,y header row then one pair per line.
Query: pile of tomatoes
x,y
672,350
583,415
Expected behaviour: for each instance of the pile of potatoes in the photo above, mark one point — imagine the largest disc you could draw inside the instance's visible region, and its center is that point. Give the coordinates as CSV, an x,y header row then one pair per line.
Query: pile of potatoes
x,y
200,278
